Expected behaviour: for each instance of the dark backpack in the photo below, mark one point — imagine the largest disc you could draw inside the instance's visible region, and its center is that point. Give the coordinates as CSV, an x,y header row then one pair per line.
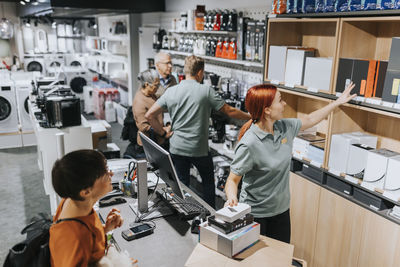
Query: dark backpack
x,y
34,251
130,130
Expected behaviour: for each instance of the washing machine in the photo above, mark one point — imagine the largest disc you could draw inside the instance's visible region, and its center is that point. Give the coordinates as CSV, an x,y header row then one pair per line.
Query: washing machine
x,y
75,60
77,78
53,63
9,128
34,63
23,88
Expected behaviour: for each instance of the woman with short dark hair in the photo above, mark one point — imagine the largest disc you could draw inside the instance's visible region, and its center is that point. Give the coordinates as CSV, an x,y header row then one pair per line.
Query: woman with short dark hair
x,y
81,178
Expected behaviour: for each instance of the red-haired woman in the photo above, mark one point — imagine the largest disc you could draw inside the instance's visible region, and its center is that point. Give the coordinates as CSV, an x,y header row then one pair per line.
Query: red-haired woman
x,y
263,154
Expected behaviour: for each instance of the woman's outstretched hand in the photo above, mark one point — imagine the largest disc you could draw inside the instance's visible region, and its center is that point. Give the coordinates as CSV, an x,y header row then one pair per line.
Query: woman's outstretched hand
x,y
346,96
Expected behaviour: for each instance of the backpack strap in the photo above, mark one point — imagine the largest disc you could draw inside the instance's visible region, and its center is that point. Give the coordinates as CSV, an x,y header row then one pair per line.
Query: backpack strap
x,y
77,220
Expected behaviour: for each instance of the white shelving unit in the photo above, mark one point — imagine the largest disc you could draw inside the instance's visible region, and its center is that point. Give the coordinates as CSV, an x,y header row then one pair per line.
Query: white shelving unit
x,y
112,53
224,60
204,32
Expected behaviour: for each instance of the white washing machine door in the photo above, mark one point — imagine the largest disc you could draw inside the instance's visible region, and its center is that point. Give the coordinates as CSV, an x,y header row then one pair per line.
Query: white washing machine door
x,y
34,66
5,109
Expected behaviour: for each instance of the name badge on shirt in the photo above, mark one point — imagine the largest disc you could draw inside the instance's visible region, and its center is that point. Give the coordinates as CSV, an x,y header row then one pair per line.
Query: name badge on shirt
x,y
284,141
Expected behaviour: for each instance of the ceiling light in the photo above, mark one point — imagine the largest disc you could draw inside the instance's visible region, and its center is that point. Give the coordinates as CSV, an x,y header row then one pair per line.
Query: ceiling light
x,y
54,25
27,1
28,23
35,3
22,2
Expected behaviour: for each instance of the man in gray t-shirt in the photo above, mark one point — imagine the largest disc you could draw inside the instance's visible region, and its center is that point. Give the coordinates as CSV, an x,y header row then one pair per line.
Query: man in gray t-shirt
x,y
189,105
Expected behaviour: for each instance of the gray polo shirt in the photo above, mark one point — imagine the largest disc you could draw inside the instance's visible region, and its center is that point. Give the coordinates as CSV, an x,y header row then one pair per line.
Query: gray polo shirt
x,y
189,105
263,160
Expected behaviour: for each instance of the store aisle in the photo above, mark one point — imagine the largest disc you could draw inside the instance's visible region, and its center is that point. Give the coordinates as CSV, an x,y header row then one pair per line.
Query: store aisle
x,y
21,194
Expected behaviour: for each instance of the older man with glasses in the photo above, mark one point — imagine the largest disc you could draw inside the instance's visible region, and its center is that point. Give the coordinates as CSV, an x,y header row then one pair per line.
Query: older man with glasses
x,y
163,64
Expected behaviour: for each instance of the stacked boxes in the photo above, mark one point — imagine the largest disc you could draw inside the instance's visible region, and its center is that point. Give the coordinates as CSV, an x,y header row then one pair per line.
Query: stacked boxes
x,y
340,149
375,171
216,233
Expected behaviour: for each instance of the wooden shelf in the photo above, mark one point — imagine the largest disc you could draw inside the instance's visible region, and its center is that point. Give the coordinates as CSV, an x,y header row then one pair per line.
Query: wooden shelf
x,y
224,60
321,34
362,105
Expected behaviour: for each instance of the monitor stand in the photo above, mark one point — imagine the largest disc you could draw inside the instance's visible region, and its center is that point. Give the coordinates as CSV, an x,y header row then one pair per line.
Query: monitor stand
x,y
161,209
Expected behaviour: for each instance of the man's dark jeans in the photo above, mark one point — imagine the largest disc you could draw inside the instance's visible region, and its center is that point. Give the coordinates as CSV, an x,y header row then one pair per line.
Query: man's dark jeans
x,y
205,167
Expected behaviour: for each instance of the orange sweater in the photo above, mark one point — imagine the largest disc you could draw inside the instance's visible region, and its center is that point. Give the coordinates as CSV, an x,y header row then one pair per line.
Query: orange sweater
x,y
71,243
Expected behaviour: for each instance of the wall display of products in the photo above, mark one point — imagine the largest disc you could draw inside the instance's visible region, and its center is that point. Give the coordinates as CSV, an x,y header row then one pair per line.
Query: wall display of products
x,y
210,20
242,35
59,36
319,6
362,139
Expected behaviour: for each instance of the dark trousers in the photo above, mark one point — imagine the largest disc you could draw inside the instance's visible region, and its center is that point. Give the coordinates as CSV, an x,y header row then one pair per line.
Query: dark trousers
x,y
276,227
205,167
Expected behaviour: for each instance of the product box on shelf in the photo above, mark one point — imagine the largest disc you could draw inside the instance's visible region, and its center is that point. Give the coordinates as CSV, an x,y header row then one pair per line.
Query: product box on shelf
x,y
367,75
295,63
360,75
302,142
375,171
392,80
392,182
340,147
357,160
317,73
277,63
315,152
391,89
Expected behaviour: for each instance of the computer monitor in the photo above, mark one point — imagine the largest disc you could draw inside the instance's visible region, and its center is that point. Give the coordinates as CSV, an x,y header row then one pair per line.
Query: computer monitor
x,y
161,160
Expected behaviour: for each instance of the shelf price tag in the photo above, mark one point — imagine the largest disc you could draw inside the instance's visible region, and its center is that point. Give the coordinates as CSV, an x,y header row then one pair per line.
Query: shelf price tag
x,y
315,163
392,195
373,101
359,98
396,106
351,179
275,82
310,89
335,172
387,104
291,85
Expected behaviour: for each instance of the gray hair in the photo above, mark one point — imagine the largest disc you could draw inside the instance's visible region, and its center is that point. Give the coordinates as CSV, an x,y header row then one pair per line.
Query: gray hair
x,y
159,55
147,76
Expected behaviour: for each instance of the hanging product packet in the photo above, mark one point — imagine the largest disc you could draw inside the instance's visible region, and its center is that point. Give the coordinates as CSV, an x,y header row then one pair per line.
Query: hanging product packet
x,y
308,6
281,8
329,5
369,4
274,6
319,6
385,4
290,6
355,5
342,5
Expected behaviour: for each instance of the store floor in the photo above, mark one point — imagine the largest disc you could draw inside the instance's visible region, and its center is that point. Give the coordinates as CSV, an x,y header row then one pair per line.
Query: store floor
x,y
22,194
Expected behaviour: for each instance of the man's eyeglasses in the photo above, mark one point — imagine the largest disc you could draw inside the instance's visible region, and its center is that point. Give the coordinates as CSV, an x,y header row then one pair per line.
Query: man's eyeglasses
x,y
167,63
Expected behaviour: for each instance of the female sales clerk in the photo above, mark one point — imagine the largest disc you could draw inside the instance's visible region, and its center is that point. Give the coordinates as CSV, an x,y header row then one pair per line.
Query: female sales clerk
x,y
263,154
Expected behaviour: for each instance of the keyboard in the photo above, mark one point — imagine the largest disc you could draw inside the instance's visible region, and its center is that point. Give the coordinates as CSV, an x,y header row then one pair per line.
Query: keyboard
x,y
187,208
